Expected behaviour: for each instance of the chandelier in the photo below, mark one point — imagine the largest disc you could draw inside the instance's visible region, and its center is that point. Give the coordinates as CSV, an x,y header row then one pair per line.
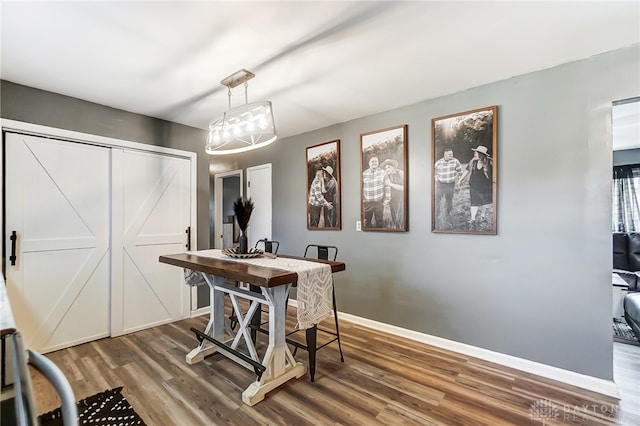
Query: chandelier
x,y
244,127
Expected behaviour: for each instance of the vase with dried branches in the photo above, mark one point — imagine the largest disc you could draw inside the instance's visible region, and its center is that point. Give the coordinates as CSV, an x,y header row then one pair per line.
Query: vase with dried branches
x,y
242,209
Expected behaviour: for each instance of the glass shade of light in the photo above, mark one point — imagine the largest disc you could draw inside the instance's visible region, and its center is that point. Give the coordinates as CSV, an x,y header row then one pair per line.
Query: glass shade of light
x,y
241,129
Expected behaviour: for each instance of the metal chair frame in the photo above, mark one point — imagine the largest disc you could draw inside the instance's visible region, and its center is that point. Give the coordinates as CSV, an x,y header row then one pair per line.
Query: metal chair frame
x,y
270,246
323,252
311,333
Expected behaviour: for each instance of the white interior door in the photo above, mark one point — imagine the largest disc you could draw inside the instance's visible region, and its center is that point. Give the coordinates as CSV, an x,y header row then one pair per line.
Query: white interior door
x,y
259,190
58,203
154,192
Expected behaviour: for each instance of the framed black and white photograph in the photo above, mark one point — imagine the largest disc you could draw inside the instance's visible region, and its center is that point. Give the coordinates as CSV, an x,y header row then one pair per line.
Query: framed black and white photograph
x,y
384,193
323,186
464,169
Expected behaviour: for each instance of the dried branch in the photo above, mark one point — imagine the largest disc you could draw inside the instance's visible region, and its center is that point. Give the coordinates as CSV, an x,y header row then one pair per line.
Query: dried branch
x,y
243,210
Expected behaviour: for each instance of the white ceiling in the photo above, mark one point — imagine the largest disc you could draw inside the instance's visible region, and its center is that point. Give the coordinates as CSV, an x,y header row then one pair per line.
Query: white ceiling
x,y
319,62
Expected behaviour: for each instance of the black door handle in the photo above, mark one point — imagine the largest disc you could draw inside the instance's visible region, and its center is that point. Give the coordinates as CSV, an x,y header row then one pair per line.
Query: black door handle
x,y
188,232
14,239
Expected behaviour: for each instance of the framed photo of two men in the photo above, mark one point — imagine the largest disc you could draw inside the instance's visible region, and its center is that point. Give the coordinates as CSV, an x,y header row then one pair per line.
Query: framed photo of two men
x,y
464,170
323,186
384,193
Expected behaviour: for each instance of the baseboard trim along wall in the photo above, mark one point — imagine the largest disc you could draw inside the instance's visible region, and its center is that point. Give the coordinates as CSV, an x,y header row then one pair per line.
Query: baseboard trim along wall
x,y
200,311
593,384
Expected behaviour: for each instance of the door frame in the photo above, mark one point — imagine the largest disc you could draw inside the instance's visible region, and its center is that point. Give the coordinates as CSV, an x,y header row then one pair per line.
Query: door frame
x,y
253,237
7,125
218,187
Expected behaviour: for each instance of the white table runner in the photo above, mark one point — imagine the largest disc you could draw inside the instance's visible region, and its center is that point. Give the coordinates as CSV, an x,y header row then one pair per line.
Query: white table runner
x,y
315,294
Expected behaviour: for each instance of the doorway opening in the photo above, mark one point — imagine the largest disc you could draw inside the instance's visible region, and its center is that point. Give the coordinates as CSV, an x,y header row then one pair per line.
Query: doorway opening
x,y
625,224
227,187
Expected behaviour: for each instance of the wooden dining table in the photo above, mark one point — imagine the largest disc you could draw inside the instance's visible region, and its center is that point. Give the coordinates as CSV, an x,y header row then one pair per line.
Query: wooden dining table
x,y
274,277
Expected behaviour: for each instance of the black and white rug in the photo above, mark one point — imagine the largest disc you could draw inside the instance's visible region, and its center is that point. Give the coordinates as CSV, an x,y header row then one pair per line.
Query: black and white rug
x,y
622,332
102,409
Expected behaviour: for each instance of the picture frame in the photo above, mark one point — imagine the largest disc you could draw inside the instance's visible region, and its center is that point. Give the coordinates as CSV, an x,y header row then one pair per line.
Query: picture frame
x,y
464,178
384,192
323,186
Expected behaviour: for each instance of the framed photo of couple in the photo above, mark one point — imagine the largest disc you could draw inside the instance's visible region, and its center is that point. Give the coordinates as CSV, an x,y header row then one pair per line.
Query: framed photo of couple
x,y
384,194
323,186
464,169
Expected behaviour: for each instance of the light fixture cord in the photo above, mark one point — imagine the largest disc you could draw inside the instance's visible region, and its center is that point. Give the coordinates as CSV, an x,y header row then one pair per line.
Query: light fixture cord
x,y
246,92
229,87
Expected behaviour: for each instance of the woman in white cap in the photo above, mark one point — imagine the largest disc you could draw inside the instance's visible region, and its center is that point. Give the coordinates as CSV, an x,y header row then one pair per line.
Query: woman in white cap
x,y
480,186
317,200
331,195
395,182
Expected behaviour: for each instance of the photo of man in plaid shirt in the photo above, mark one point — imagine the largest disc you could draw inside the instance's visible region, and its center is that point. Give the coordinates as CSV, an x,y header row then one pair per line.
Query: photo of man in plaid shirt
x,y
375,193
447,170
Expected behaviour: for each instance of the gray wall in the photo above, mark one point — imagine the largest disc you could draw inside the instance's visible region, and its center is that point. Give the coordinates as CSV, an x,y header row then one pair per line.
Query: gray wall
x,y
31,105
541,288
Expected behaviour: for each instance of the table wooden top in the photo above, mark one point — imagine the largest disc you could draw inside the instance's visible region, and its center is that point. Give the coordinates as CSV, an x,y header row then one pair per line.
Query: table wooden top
x,y
239,271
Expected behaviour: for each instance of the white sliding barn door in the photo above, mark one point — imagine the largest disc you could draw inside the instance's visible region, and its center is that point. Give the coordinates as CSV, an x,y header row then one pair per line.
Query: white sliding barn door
x,y
91,221
58,203
151,213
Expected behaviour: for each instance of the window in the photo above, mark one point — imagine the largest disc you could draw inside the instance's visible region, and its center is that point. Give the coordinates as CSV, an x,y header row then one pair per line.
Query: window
x,y
626,209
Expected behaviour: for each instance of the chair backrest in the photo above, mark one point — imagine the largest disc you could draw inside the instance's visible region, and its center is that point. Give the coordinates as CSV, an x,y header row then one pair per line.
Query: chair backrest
x,y
322,251
270,246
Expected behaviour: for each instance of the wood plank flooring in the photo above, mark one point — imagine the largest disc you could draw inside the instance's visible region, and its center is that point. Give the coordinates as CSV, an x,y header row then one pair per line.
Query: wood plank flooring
x,y
385,380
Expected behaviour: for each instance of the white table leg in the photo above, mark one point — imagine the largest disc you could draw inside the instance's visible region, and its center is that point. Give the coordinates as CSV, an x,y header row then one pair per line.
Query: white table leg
x,y
243,326
215,327
280,364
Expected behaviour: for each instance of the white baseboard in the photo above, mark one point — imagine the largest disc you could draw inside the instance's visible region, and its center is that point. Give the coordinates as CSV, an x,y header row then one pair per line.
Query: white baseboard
x,y
593,384
201,311
590,383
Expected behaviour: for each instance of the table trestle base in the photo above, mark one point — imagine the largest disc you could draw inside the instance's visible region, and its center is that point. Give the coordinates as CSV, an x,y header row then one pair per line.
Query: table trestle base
x,y
257,367
278,364
258,389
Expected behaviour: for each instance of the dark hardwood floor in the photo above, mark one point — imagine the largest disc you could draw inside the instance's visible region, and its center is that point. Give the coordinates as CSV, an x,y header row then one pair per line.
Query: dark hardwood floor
x,y
626,374
385,380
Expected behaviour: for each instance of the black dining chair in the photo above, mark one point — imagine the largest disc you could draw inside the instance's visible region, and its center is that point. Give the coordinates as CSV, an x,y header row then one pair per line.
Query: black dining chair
x,y
269,246
324,252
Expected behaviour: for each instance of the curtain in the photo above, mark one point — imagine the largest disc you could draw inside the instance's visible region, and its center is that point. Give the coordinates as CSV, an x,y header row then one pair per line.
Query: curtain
x,y
626,209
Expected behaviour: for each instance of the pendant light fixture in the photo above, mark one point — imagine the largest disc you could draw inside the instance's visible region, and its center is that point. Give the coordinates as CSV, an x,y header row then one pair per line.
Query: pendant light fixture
x,y
243,128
